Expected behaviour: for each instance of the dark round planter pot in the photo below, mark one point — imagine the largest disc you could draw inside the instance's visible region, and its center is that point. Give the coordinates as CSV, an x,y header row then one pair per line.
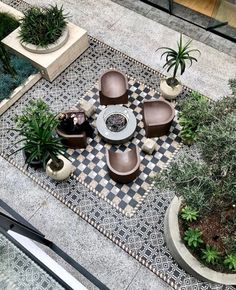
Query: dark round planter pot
x,y
35,163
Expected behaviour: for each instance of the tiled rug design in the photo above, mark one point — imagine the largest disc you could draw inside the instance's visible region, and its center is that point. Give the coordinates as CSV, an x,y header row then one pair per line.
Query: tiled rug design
x,y
141,235
21,271
90,163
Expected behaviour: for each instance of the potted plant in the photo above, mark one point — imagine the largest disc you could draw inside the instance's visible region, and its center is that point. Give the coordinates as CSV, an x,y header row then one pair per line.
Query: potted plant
x,y
44,30
203,215
176,60
74,129
41,146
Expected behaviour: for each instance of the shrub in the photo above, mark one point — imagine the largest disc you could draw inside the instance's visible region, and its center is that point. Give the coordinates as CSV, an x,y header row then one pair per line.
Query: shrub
x,y
193,237
42,26
8,82
210,255
193,113
8,23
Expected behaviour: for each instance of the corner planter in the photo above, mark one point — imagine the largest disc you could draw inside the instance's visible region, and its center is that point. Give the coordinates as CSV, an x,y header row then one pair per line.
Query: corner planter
x,y
169,92
19,92
51,47
61,174
182,255
52,63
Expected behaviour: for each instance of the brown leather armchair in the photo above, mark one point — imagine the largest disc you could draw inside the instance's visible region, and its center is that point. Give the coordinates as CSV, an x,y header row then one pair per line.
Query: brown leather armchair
x,y
123,167
73,140
113,88
157,117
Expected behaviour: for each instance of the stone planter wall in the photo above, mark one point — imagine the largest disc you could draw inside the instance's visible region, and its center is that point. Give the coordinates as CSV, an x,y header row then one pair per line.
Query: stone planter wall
x,y
182,255
19,91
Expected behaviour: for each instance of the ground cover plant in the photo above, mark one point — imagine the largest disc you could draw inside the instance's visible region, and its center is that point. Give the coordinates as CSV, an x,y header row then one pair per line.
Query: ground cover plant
x,y
207,185
13,70
43,26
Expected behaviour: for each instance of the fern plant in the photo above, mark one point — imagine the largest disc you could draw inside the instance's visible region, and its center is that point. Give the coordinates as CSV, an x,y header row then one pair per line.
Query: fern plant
x,y
210,255
177,59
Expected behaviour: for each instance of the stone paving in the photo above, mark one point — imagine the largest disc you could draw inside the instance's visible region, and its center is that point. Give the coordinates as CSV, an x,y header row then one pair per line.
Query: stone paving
x,y
99,254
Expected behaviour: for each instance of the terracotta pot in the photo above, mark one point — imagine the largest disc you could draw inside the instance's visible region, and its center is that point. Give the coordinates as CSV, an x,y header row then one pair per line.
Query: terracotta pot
x,y
169,92
61,174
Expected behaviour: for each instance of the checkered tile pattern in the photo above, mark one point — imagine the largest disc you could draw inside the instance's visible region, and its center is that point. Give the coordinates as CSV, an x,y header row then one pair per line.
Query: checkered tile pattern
x,y
90,162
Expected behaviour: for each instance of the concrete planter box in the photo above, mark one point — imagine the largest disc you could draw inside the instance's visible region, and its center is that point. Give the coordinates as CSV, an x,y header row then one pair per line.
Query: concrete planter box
x,y
18,92
53,63
29,82
182,255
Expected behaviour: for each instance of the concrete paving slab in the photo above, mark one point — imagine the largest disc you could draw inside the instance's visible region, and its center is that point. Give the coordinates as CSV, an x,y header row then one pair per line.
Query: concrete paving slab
x,y
109,264
147,281
19,192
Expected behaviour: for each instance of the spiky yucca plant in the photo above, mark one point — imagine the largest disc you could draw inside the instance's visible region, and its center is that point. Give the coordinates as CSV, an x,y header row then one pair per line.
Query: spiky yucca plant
x,y
177,59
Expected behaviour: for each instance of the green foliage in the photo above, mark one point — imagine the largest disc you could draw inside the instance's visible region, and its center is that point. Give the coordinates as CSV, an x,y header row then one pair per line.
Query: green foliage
x,y
217,143
231,244
230,261
7,82
42,26
177,59
232,84
193,113
37,127
210,255
8,23
188,214
193,237
191,180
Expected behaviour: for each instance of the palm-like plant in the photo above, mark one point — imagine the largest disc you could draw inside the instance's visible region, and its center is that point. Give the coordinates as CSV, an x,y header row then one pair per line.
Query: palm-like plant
x,y
37,127
177,59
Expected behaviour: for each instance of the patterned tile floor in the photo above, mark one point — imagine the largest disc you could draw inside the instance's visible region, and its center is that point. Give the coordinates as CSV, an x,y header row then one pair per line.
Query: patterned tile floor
x,y
20,272
140,235
90,163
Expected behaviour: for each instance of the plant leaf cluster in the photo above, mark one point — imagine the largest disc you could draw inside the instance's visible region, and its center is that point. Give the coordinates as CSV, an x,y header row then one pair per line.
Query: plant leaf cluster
x,y
188,214
42,26
37,127
193,237
8,23
178,59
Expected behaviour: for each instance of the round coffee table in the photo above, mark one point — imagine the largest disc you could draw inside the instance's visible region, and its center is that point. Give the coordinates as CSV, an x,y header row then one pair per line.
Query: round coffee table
x,y
116,124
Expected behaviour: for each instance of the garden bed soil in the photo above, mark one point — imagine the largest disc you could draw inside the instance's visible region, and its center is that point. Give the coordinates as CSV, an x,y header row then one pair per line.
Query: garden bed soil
x,y
213,233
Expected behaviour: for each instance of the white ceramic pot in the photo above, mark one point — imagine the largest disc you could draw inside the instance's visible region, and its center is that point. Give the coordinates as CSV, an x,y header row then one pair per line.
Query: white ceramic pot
x,y
61,174
168,92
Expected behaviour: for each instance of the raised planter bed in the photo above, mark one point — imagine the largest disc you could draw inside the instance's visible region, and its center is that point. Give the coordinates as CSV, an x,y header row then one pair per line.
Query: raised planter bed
x,y
28,82
52,64
19,91
182,255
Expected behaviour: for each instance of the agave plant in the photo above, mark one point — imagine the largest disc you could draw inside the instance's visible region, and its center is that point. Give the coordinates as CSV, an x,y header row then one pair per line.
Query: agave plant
x,y
177,59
